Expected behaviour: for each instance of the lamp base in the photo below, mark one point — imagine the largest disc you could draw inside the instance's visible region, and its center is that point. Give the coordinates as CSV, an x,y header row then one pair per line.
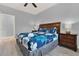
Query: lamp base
x,y
67,32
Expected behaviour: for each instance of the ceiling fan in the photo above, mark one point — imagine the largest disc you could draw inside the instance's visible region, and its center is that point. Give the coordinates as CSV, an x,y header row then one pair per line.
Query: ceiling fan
x,y
32,4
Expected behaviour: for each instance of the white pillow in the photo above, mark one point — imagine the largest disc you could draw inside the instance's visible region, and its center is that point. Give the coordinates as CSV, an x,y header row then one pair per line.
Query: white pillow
x,y
41,32
48,34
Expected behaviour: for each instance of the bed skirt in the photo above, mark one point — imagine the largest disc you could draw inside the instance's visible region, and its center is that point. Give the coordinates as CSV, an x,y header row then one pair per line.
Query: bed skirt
x,y
39,52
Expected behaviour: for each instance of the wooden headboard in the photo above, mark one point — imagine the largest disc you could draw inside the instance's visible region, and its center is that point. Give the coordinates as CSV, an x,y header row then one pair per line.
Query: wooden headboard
x,y
51,25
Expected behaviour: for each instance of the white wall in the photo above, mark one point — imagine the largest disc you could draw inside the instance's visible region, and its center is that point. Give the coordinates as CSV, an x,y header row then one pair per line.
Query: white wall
x,y
22,19
7,25
75,28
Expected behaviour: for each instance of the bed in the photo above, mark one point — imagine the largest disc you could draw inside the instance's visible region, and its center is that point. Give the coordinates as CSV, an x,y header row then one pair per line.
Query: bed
x,y
40,42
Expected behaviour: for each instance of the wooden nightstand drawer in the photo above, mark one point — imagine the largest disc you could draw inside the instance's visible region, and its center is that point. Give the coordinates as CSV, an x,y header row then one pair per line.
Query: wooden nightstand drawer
x,y
68,40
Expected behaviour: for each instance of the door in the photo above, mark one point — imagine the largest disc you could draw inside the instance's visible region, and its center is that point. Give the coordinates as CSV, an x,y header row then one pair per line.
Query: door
x,y
7,25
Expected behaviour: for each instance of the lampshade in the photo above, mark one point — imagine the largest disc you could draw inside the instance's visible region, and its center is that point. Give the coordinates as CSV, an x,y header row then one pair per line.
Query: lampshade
x,y
68,24
68,27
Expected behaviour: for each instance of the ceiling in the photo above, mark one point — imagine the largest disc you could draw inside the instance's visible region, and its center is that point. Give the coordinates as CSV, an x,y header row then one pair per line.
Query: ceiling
x,y
30,8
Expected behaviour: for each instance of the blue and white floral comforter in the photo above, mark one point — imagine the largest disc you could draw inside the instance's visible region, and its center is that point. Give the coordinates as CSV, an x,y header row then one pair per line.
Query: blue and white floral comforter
x,y
36,40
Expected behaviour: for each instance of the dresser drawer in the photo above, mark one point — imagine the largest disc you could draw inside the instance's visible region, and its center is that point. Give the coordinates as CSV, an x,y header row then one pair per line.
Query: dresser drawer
x,y
69,45
68,36
68,40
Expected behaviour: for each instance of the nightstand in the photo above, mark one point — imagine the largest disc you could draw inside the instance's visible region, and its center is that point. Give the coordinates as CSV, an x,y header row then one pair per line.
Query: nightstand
x,y
68,41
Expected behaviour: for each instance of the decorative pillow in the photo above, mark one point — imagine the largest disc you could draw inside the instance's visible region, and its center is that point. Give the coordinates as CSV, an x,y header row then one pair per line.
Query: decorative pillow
x,y
53,30
42,30
49,34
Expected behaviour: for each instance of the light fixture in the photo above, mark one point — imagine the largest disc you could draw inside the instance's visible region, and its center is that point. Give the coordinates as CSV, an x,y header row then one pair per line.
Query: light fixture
x,y
68,28
68,24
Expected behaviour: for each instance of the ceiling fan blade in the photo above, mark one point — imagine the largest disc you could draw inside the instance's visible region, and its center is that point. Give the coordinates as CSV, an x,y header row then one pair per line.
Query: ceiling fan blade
x,y
25,4
34,5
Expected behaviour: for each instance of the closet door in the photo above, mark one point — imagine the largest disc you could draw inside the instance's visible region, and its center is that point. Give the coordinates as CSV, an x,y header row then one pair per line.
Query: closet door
x,y
7,25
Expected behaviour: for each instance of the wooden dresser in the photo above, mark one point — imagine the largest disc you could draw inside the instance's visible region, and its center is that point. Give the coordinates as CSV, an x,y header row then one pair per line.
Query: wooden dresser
x,y
68,40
